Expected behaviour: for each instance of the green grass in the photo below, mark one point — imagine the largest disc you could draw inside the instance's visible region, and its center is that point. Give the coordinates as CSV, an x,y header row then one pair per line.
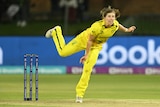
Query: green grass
x,y
103,90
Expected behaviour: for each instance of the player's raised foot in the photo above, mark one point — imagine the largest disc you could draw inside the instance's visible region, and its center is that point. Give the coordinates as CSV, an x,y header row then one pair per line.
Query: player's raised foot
x,y
79,99
50,33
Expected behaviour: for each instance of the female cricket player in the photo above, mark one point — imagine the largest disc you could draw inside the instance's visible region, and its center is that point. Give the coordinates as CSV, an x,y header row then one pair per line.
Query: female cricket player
x,y
90,40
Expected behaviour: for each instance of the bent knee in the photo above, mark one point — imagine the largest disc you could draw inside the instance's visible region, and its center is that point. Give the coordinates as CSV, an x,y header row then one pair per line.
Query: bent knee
x,y
62,55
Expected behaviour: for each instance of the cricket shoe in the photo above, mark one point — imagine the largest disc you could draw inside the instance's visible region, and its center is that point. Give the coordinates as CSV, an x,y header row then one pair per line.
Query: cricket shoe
x,y
79,99
56,30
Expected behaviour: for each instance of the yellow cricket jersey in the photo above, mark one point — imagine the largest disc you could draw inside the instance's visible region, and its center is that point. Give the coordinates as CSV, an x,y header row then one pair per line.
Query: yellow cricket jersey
x,y
101,33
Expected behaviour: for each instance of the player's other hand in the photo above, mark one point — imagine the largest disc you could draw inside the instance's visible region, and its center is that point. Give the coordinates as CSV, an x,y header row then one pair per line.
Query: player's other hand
x,y
131,29
83,59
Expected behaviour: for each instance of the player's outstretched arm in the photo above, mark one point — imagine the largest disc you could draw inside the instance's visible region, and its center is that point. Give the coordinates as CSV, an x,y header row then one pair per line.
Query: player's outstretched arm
x,y
124,29
89,44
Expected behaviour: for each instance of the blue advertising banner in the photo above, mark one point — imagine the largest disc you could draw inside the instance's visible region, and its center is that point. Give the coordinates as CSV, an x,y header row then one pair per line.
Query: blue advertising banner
x,y
12,50
118,51
131,51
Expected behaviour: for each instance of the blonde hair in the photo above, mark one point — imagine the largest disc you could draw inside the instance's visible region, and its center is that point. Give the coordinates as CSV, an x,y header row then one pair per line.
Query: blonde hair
x,y
107,10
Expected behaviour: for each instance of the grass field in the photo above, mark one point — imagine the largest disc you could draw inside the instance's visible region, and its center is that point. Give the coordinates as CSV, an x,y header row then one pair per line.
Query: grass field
x,y
103,91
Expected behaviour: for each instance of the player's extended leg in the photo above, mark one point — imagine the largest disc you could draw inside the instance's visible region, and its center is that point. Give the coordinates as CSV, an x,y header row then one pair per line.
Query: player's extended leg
x,y
87,69
58,39
64,49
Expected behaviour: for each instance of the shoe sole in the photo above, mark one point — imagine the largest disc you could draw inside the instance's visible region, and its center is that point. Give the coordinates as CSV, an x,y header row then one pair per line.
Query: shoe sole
x,y
48,33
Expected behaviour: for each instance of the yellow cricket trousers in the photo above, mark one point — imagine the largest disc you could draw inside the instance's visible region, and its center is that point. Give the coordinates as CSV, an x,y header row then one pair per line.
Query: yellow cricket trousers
x,y
76,45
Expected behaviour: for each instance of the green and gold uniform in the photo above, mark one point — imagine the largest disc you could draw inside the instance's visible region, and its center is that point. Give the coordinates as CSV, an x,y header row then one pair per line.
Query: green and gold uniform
x,y
79,43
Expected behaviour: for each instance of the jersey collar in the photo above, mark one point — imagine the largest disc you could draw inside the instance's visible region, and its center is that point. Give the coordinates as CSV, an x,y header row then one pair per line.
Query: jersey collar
x,y
103,24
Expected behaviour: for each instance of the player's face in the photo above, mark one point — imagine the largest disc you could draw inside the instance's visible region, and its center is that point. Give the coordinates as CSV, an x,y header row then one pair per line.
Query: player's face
x,y
109,19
